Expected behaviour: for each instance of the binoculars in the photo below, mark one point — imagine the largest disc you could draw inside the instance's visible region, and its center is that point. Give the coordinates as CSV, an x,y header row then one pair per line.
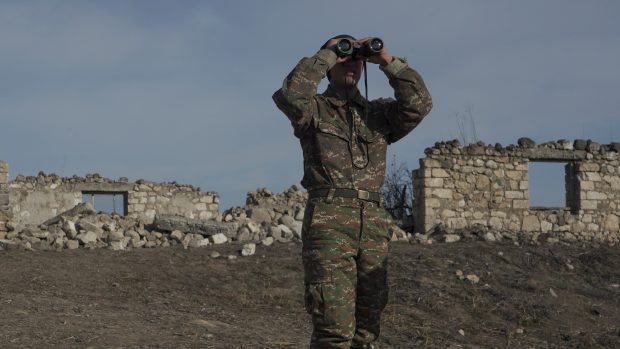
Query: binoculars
x,y
347,47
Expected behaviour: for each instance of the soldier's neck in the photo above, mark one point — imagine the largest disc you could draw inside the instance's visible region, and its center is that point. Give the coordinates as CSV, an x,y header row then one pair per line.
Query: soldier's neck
x,y
344,92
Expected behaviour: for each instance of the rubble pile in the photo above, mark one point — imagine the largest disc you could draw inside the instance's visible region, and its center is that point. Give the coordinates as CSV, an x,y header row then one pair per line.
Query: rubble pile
x,y
267,218
278,216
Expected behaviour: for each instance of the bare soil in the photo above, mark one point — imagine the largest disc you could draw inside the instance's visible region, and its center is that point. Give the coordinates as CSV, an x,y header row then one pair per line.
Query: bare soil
x,y
549,296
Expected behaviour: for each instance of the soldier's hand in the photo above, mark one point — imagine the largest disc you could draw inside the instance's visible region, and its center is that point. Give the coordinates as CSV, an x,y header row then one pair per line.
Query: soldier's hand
x,y
382,58
331,45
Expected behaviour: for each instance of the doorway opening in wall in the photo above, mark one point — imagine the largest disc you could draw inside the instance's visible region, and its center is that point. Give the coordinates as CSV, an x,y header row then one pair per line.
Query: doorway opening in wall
x,y
552,185
107,202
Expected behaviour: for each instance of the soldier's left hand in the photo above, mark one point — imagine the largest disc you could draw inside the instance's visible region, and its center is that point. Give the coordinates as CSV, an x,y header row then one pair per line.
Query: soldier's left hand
x,y
382,58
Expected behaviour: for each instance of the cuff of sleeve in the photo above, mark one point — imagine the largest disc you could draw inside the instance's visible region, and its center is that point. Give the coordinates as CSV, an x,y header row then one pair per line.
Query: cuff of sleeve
x,y
328,56
394,67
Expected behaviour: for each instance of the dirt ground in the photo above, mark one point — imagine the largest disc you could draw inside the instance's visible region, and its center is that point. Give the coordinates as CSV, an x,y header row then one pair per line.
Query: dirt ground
x,y
549,296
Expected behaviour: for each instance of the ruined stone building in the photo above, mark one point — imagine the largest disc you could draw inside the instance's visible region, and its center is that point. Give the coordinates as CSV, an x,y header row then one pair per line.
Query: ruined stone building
x,y
483,185
32,200
455,188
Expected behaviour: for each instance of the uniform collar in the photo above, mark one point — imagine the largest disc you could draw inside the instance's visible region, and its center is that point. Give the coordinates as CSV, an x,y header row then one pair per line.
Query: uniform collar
x,y
334,99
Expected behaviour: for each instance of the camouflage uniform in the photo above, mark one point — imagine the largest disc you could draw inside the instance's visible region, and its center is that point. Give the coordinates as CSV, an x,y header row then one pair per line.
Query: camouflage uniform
x,y
345,237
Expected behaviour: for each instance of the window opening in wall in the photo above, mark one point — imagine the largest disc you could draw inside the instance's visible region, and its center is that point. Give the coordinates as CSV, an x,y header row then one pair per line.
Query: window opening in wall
x,y
108,202
552,185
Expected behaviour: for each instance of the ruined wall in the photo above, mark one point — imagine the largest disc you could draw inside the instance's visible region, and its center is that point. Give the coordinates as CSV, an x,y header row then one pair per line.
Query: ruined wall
x,y
479,185
36,199
4,195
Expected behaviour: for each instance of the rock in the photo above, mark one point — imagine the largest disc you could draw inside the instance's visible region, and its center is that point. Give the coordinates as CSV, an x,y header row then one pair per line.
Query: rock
x,y
248,249
87,237
243,234
132,234
531,223
553,294
473,278
72,244
580,144
421,238
281,233
299,215
118,245
254,227
137,242
258,214
177,235
8,244
297,228
214,254
489,236
84,224
525,142
69,228
218,239
268,241
286,220
449,238
115,236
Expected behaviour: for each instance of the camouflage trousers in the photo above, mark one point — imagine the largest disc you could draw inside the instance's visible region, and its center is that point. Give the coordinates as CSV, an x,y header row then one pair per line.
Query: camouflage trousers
x,y
345,249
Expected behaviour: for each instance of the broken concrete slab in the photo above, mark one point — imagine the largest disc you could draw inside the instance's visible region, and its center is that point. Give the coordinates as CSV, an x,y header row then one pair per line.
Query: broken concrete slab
x,y
195,226
83,208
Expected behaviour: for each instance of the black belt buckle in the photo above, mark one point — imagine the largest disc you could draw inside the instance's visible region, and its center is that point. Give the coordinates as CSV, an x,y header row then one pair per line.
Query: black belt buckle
x,y
363,195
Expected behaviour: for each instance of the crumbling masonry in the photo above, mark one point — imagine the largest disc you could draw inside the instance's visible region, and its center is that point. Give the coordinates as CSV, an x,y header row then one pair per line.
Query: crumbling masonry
x,y
476,188
33,200
459,188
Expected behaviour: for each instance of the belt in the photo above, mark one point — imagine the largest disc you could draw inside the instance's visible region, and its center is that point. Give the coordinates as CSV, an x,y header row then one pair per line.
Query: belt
x,y
346,193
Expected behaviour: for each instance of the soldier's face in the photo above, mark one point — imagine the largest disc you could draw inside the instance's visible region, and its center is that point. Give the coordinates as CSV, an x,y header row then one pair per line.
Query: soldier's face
x,y
346,74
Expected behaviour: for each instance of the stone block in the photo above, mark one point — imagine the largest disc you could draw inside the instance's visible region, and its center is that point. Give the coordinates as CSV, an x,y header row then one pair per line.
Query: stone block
x,y
448,214
586,185
546,226
516,175
430,163
611,223
72,244
496,223
594,195
432,203
207,199
589,204
442,193
4,200
483,182
592,176
456,223
434,182
491,164
218,239
514,194
530,223
589,167
439,173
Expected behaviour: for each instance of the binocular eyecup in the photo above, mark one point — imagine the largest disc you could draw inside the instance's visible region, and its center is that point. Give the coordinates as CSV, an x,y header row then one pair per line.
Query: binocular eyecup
x,y
347,47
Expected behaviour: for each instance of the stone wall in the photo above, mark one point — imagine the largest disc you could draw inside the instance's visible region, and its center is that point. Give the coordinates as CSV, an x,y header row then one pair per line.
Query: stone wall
x,y
488,186
33,200
4,195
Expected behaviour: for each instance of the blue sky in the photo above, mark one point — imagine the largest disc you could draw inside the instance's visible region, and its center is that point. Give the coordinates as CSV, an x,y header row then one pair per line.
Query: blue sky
x,y
181,90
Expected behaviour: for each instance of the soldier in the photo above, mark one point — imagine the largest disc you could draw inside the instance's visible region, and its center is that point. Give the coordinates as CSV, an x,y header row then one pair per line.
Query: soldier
x,y
344,140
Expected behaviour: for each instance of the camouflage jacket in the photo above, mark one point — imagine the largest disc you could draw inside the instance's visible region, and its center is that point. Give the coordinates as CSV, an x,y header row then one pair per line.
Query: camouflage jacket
x,y
344,142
